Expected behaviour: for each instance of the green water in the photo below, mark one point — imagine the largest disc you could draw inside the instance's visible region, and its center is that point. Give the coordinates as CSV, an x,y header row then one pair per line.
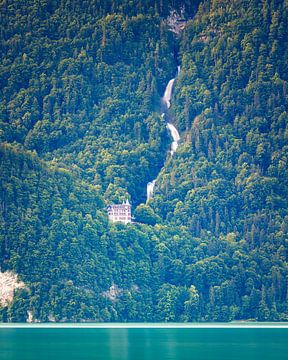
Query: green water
x,y
138,344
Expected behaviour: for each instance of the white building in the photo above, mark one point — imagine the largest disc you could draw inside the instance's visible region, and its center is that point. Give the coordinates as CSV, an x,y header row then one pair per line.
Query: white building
x,y
120,212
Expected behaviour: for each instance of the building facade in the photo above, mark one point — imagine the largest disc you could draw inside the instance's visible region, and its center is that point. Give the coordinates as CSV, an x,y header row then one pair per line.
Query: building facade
x,y
120,212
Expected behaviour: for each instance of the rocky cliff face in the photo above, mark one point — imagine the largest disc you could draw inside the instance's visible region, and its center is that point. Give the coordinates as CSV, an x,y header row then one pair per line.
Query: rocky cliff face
x,y
8,284
176,21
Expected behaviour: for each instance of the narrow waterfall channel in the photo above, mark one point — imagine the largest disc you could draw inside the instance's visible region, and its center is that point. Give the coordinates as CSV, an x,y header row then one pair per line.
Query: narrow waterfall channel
x,y
166,101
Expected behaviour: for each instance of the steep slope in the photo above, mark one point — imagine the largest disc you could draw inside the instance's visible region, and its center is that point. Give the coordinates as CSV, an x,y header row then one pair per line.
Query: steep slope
x,y
230,175
80,117
80,86
57,239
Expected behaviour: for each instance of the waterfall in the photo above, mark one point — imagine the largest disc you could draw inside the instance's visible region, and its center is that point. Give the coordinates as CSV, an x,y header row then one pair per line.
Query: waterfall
x,y
150,188
175,136
168,93
166,101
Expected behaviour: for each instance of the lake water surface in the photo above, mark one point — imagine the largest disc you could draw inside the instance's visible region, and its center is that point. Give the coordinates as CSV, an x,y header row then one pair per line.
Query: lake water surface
x,y
143,343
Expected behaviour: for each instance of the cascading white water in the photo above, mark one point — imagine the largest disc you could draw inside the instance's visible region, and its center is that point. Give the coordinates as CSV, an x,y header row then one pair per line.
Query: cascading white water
x,y
150,189
166,101
168,93
175,136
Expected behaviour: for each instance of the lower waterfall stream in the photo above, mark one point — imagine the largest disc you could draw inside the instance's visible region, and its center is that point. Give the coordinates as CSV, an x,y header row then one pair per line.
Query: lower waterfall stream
x,y
166,101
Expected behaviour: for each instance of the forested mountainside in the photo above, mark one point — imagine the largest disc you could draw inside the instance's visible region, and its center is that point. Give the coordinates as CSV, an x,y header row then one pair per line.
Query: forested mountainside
x,y
81,126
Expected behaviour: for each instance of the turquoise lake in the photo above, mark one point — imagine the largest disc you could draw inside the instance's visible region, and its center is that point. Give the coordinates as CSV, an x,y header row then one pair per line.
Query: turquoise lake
x,y
143,343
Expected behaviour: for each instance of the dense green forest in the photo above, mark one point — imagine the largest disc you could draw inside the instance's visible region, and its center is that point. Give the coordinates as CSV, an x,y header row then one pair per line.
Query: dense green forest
x,y
81,85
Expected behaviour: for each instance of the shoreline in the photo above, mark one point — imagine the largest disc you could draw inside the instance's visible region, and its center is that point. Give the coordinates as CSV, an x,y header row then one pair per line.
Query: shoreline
x,y
232,325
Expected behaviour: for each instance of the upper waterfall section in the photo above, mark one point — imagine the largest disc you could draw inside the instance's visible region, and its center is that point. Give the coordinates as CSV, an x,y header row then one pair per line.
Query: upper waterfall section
x,y
166,103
